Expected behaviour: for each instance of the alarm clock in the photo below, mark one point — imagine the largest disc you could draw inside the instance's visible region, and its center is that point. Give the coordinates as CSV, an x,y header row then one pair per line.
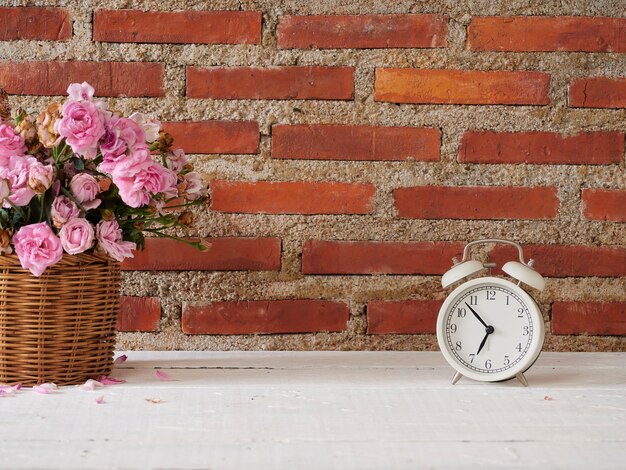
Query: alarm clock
x,y
489,328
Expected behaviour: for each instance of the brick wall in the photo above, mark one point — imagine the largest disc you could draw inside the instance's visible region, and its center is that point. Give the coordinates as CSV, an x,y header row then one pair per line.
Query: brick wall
x,y
351,151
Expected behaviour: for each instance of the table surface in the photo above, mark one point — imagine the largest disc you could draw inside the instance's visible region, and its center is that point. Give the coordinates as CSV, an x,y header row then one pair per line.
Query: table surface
x,y
324,410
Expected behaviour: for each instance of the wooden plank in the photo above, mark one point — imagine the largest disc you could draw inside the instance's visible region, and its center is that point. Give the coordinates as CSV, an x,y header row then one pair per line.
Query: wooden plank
x,y
324,410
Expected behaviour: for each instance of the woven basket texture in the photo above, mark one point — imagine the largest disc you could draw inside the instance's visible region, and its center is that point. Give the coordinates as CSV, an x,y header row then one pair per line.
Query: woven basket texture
x,y
59,327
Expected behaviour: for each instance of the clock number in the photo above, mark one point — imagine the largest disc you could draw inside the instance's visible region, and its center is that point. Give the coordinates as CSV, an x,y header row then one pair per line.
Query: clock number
x,y
453,328
519,347
473,300
507,300
472,356
488,364
491,295
520,312
461,312
525,333
458,346
506,360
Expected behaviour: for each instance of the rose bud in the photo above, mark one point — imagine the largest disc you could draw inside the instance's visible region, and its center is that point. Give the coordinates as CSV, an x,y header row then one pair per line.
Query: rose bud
x,y
40,177
186,218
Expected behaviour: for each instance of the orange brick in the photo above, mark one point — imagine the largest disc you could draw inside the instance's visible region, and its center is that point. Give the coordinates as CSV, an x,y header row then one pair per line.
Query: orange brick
x,y
362,31
592,318
424,86
35,23
598,92
604,204
402,317
230,137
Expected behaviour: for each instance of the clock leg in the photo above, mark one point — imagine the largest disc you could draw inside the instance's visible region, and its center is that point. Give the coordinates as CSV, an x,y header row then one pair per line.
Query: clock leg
x,y
456,378
522,379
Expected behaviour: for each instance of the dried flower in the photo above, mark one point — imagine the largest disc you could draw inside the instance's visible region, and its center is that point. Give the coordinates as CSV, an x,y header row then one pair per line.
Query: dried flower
x,y
46,121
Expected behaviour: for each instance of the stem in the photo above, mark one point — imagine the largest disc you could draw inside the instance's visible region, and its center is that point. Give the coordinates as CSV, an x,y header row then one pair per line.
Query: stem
x,y
41,209
197,245
16,208
71,196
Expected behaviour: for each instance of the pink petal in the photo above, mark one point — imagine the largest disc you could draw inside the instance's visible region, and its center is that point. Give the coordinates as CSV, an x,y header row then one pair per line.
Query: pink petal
x,y
6,391
18,386
100,400
163,376
107,380
90,385
121,359
45,389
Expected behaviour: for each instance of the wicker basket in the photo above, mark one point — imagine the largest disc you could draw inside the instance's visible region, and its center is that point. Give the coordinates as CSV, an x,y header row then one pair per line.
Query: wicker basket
x,y
59,327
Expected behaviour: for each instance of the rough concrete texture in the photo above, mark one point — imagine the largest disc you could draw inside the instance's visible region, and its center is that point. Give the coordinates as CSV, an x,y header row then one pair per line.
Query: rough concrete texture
x,y
289,283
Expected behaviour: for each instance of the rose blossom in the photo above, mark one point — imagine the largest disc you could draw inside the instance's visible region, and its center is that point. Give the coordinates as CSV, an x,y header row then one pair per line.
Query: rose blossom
x,y
109,236
193,185
17,171
62,210
82,126
137,190
10,142
46,121
122,136
37,247
85,188
40,177
176,160
150,126
127,165
76,236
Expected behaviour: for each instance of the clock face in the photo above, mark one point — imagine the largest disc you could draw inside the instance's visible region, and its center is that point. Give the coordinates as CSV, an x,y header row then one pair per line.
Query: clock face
x,y
490,329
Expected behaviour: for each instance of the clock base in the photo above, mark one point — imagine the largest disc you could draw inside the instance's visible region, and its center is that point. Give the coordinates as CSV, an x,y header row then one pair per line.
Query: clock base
x,y
519,377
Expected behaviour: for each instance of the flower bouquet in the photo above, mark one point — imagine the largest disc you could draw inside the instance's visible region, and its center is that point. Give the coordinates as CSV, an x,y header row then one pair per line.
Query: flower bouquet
x,y
80,185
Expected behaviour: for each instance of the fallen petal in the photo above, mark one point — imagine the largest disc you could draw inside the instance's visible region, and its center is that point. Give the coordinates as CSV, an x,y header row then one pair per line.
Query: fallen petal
x,y
18,386
6,391
153,400
107,380
121,359
163,376
91,385
45,389
100,400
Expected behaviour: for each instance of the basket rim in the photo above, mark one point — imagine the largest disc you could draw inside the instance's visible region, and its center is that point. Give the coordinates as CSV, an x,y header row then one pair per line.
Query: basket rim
x,y
67,260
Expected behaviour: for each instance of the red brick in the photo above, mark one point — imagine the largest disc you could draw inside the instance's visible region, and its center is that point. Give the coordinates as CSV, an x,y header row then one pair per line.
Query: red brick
x,y
139,314
402,317
215,136
593,318
271,83
585,148
272,316
569,260
134,79
180,27
546,33
44,24
340,142
425,86
298,197
376,257
362,31
604,204
223,254
598,92
476,202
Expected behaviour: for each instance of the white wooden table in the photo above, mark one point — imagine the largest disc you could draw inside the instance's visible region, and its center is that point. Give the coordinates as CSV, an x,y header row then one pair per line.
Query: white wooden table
x,y
324,410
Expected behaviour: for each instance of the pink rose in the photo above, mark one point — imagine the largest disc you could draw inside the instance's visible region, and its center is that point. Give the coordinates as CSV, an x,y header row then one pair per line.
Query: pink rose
x,y
37,247
176,160
85,188
10,143
127,165
63,209
80,91
151,127
137,189
76,236
17,171
109,236
40,177
122,136
82,126
194,187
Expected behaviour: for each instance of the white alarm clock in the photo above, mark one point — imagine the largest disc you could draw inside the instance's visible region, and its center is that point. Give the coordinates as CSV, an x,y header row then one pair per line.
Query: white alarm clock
x,y
489,328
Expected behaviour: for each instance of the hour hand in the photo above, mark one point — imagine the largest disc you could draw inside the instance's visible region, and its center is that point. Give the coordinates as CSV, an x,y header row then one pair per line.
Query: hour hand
x,y
482,344
476,315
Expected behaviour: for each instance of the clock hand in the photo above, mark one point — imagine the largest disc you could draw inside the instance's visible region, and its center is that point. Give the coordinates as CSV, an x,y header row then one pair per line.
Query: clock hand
x,y
477,316
488,330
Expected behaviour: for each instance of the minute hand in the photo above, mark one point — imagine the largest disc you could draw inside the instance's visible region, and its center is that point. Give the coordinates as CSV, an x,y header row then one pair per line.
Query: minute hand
x,y
476,315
